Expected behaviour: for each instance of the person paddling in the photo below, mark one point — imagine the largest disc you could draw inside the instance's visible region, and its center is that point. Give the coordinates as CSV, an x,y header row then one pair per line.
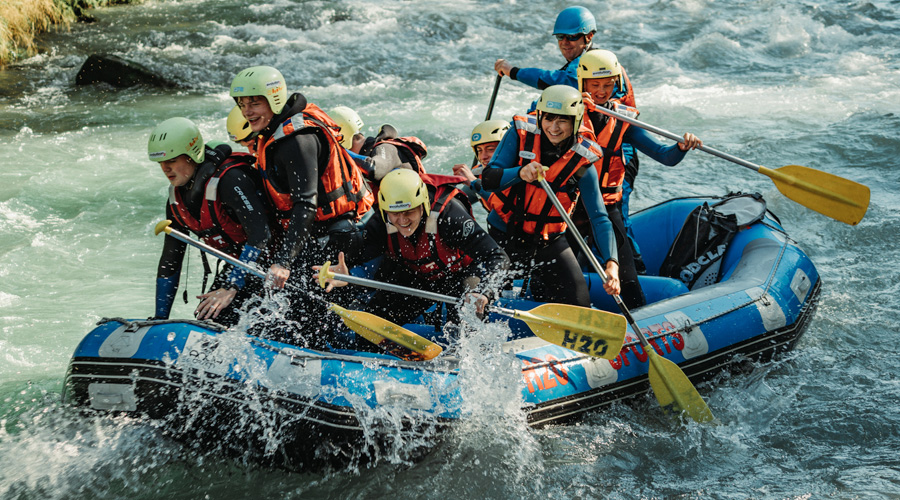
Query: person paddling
x,y
314,186
574,30
599,76
316,191
429,242
484,140
213,195
524,221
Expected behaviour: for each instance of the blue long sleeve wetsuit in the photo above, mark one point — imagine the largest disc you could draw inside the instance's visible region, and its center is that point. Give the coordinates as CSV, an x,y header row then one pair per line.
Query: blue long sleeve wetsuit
x,y
506,157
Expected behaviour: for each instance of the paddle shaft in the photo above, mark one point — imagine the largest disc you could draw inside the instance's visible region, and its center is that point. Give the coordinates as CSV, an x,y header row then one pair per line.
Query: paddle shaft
x,y
178,235
669,383
490,110
674,137
390,287
399,336
551,195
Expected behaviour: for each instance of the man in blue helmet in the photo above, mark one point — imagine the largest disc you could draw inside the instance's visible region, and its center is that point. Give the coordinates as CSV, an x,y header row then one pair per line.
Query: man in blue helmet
x,y
574,30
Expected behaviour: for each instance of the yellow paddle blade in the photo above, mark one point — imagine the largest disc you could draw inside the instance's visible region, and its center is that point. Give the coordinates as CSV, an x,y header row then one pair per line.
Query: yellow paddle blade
x,y
387,335
324,273
674,391
582,329
841,199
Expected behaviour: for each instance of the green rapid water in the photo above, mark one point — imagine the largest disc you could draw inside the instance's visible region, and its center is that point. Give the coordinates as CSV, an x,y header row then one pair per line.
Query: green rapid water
x,y
774,82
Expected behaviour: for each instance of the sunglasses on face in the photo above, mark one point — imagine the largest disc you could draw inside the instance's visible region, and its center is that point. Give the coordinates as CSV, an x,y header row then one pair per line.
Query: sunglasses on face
x,y
571,38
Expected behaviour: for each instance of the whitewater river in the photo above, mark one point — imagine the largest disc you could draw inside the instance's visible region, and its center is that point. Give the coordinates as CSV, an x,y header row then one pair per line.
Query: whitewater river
x,y
775,82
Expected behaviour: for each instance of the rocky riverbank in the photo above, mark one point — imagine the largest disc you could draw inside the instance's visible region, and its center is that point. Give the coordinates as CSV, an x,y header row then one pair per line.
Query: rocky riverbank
x,y
21,21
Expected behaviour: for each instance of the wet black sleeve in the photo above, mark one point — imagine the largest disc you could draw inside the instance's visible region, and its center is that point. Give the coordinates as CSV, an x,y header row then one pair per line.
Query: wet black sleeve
x,y
299,156
374,241
173,251
239,196
459,230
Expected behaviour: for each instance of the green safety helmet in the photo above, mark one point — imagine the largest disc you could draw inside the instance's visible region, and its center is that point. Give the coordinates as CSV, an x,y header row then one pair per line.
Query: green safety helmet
x,y
238,126
562,100
402,189
265,81
488,131
598,64
175,137
349,121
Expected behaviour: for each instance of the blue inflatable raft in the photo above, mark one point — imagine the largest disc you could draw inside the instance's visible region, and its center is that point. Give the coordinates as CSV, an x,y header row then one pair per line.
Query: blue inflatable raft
x,y
298,408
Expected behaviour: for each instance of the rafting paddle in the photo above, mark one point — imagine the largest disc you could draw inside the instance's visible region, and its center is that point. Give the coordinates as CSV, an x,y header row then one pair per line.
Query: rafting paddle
x,y
582,329
383,333
670,385
389,336
841,199
490,110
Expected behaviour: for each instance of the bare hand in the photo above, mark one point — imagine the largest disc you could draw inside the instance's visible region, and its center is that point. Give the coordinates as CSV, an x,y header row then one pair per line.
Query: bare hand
x,y
340,268
612,285
529,173
464,170
479,300
212,303
691,141
277,276
502,67
588,101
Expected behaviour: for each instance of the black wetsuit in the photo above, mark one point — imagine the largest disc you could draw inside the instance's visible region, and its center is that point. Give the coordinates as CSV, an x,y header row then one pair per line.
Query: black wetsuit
x,y
238,194
456,229
295,165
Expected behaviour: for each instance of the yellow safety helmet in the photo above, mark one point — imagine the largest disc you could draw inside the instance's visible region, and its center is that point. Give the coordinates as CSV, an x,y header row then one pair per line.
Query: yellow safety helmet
x,y
238,126
599,64
400,190
562,100
349,121
175,137
265,81
488,131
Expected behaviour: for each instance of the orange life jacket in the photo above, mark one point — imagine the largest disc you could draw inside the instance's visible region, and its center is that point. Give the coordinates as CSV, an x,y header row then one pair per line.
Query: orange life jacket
x,y
428,256
628,98
215,227
611,170
342,188
525,206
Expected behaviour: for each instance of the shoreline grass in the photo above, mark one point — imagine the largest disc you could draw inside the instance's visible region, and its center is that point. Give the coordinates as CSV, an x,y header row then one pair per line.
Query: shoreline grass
x,y
22,21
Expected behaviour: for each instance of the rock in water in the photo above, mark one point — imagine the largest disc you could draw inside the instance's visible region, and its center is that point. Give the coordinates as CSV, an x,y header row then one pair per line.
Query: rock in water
x,y
117,72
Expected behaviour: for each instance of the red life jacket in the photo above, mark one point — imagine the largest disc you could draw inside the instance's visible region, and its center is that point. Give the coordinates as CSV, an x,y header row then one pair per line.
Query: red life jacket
x,y
611,171
342,188
215,227
525,206
428,256
445,182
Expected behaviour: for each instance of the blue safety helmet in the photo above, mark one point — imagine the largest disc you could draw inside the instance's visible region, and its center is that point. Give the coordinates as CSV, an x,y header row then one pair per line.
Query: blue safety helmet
x,y
573,21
